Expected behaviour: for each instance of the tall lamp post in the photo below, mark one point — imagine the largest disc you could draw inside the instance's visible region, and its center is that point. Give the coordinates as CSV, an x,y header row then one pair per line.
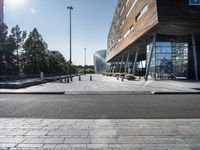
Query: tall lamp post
x,y
70,34
85,60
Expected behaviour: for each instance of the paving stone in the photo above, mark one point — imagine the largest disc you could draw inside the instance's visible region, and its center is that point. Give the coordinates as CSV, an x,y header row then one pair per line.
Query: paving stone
x,y
78,145
95,146
30,145
77,140
161,140
7,146
99,133
38,133
54,141
62,146
49,146
130,140
70,133
104,141
33,140
11,140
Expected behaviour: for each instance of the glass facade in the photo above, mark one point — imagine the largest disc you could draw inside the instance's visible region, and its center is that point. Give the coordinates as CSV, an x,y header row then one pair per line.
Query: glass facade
x,y
170,58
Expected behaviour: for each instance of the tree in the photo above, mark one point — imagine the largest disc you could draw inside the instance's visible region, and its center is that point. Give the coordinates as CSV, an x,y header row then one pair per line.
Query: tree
x,y
3,38
58,65
18,37
34,57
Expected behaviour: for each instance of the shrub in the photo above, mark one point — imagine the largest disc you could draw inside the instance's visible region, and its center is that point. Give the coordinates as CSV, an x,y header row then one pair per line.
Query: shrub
x,y
110,74
116,74
130,77
122,74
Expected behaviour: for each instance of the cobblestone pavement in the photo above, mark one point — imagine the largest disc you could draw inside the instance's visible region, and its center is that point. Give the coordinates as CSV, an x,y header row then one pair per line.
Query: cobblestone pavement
x,y
100,134
104,83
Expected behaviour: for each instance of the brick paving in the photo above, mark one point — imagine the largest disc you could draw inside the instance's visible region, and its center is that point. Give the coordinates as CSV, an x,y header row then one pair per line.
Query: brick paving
x,y
132,134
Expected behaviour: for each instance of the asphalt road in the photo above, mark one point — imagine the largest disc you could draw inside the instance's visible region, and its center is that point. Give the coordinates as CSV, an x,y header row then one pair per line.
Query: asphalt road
x,y
100,106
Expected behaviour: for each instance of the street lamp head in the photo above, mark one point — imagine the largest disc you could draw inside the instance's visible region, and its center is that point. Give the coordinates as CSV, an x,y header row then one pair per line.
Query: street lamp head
x,y
70,7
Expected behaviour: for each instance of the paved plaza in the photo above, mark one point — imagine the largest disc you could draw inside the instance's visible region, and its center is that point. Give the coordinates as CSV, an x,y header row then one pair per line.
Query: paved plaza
x,y
120,116
100,134
102,83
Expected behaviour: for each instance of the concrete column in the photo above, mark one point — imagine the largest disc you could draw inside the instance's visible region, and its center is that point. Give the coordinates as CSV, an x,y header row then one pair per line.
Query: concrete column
x,y
118,64
120,70
126,65
135,60
195,57
150,57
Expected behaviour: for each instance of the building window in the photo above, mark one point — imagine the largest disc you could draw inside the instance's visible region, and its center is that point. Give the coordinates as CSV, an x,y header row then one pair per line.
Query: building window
x,y
142,12
128,32
127,2
122,11
129,11
170,58
123,22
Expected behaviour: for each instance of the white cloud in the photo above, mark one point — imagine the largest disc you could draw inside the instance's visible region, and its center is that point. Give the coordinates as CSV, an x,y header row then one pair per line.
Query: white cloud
x,y
33,11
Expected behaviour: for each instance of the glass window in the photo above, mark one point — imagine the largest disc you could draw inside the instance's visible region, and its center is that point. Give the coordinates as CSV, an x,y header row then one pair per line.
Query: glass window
x,y
142,12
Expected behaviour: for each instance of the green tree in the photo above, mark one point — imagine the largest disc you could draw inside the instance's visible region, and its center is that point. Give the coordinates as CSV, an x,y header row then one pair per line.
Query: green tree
x,y
58,65
18,37
34,58
3,38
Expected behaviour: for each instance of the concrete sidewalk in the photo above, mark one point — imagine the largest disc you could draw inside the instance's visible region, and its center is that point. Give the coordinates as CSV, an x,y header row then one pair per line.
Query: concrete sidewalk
x,y
111,84
177,134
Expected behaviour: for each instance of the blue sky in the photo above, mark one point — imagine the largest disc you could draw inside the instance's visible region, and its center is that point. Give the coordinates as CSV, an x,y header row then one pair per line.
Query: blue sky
x,y
91,20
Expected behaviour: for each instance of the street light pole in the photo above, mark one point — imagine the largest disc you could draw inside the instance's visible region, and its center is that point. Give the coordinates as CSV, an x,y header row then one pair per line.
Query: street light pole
x,y
70,34
85,59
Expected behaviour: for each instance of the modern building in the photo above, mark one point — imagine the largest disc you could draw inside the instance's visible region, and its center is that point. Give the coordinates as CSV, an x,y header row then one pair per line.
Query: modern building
x,y
159,39
1,11
100,64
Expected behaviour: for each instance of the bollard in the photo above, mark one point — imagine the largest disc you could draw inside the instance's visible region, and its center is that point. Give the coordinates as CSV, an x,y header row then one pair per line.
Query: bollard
x,y
71,78
90,78
139,77
122,79
67,80
117,78
42,75
79,78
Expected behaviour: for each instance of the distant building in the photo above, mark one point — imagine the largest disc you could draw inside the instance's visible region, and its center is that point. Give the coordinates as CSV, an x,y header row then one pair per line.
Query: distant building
x,y
55,53
100,64
50,52
1,11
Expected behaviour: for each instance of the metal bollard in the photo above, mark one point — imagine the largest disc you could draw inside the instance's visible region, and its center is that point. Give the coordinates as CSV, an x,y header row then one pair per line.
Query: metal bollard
x,y
122,79
71,78
117,78
90,78
79,78
67,80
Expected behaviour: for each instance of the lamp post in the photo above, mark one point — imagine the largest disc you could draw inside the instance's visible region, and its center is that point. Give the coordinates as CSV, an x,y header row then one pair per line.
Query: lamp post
x,y
85,61
70,34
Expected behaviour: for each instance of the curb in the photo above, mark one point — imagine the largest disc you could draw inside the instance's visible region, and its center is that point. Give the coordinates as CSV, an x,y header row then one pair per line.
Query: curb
x,y
108,93
174,93
35,93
